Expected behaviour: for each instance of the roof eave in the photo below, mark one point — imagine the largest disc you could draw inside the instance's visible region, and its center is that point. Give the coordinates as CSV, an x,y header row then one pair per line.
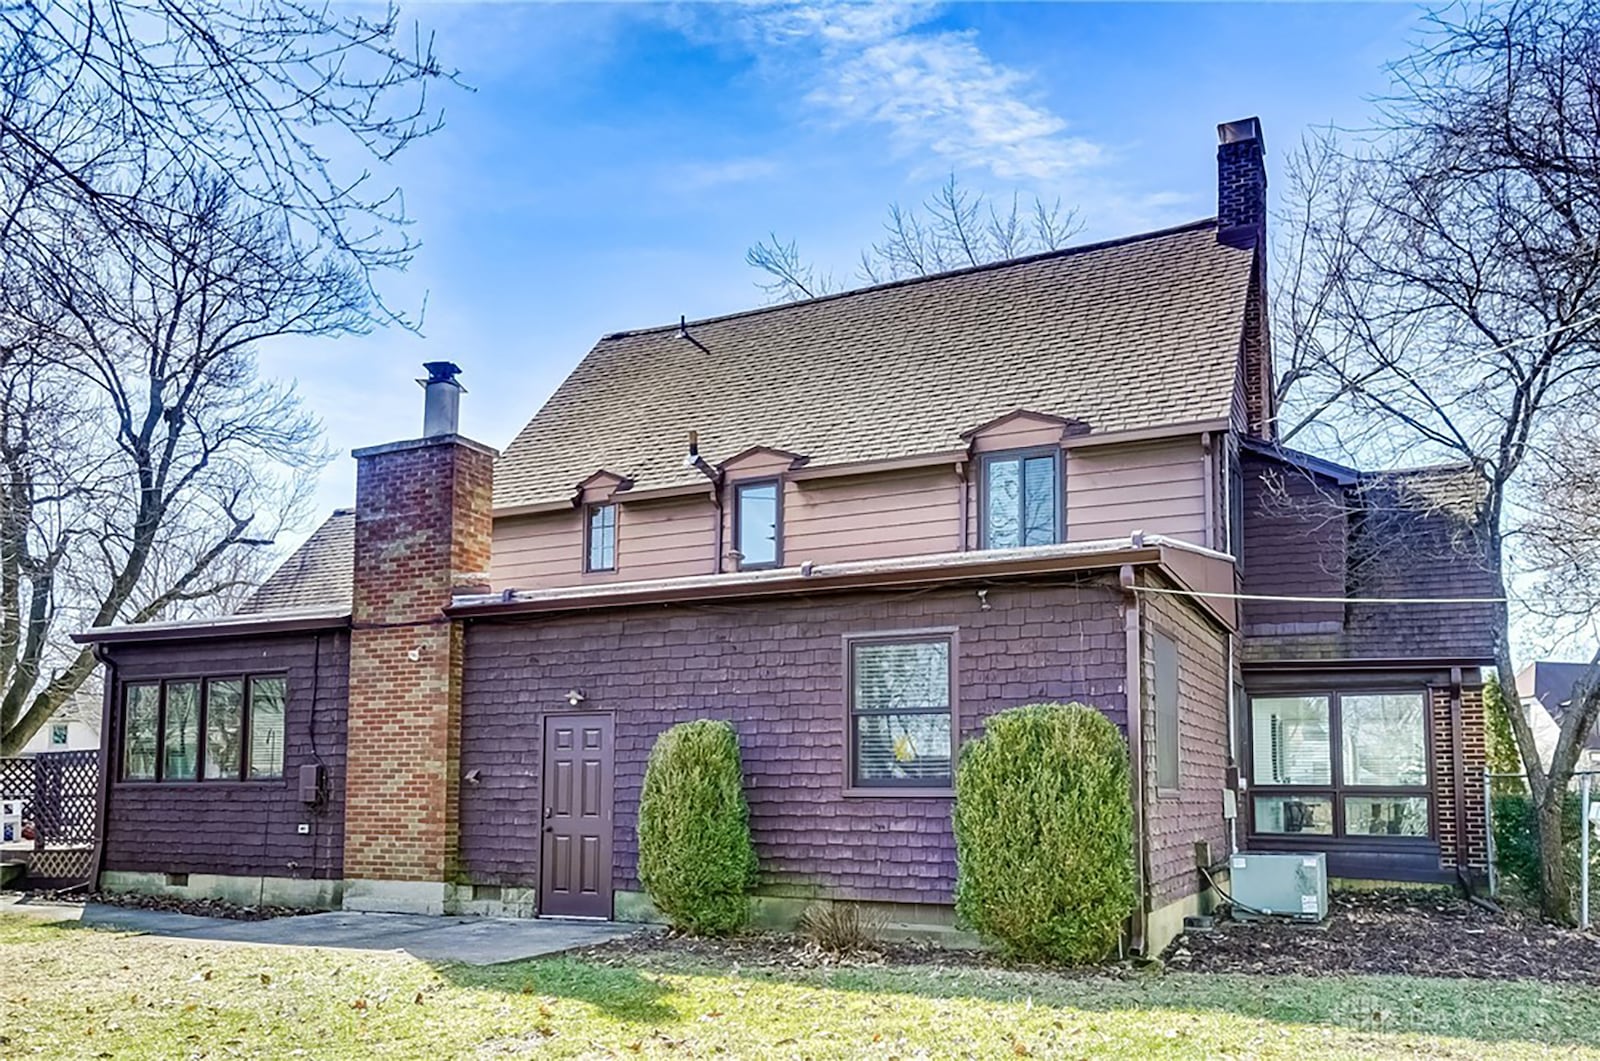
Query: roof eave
x,y
211,629
790,581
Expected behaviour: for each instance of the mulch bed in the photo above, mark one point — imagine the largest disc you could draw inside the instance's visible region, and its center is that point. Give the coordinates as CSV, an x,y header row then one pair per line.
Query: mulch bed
x,y
772,950
1371,933
1407,934
198,907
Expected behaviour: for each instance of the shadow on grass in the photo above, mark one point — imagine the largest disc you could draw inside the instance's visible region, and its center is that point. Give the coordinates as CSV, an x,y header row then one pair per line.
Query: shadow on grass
x,y
638,989
625,993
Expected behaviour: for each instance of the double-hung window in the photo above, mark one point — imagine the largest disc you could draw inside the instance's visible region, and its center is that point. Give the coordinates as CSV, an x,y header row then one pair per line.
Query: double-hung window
x,y
213,729
1341,764
901,692
757,524
600,538
1021,499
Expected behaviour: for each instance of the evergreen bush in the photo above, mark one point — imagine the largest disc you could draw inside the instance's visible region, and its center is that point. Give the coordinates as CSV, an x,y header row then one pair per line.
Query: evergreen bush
x,y
696,859
1044,833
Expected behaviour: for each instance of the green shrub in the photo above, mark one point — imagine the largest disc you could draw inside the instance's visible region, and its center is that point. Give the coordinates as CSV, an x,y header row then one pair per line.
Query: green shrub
x,y
1044,833
1516,843
695,856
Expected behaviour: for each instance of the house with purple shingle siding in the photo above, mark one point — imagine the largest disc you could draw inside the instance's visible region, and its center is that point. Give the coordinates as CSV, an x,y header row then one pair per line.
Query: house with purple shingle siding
x,y
855,527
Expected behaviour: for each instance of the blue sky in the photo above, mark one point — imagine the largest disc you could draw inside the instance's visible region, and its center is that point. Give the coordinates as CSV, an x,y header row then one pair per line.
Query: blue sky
x,y
612,163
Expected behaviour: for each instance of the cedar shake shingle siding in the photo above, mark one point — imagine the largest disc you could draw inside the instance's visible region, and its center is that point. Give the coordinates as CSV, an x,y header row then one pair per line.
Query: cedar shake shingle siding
x,y
231,827
776,670
1365,536
1176,821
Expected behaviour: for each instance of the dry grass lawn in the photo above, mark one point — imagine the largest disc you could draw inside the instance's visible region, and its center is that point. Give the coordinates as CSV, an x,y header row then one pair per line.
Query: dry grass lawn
x,y
68,991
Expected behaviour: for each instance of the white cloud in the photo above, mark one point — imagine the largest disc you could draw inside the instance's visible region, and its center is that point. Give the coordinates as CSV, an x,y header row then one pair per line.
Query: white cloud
x,y
939,97
701,176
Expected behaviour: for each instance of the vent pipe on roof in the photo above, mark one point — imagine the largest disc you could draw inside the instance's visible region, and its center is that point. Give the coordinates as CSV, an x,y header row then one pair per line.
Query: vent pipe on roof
x,y
441,408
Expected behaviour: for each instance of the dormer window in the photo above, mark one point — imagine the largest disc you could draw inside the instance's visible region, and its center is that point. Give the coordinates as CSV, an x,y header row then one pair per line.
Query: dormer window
x,y
600,539
756,524
1021,499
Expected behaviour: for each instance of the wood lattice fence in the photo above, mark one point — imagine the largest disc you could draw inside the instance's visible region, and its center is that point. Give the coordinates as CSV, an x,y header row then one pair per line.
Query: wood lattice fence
x,y
55,797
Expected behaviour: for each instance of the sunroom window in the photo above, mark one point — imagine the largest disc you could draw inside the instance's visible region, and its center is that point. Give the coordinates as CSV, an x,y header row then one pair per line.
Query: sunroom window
x,y
1351,764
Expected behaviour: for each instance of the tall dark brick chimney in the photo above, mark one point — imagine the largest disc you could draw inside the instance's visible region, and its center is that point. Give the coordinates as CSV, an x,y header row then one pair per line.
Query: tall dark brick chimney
x,y
1242,223
1241,183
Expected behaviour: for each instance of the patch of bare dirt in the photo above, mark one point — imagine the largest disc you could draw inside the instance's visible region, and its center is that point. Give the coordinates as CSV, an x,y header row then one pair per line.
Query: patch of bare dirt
x,y
1396,933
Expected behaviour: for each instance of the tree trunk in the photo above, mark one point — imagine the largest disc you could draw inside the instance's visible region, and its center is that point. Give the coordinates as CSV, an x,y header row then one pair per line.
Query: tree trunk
x,y
1555,897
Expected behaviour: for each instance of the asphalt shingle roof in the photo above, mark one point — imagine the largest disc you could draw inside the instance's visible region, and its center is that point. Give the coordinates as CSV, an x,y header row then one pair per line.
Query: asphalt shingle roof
x,y
1131,334
317,575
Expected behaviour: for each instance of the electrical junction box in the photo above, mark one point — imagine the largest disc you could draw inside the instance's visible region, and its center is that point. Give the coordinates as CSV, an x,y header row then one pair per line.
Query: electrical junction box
x,y
1265,884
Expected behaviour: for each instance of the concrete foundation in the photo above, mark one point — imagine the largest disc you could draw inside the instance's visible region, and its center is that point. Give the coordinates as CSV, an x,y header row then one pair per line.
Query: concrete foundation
x,y
396,896
1165,924
485,900
919,922
241,890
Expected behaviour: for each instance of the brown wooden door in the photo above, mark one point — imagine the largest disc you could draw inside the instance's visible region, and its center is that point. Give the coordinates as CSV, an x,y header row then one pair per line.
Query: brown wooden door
x,y
575,862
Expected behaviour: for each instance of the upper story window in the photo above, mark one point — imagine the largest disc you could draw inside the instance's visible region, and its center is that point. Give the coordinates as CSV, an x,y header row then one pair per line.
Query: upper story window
x,y
900,711
600,539
756,524
1021,499
218,729
1340,764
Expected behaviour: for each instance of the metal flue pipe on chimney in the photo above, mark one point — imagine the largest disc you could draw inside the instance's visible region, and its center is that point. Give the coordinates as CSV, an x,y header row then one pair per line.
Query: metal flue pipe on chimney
x,y
441,409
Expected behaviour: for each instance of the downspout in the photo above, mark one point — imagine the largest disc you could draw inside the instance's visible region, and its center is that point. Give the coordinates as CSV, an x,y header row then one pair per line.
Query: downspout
x,y
108,699
1135,714
696,461
1208,461
716,534
963,505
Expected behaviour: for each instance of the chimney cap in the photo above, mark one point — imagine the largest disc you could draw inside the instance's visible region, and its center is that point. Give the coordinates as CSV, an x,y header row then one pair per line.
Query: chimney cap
x,y
1239,132
441,371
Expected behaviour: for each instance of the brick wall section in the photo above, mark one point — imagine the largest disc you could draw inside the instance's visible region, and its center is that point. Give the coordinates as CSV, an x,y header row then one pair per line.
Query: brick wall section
x,y
422,530
1256,357
1474,754
1176,821
244,828
775,669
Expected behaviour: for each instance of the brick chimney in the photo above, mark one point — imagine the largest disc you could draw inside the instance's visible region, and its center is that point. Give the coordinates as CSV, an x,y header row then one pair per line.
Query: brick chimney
x,y
1241,183
423,530
1242,223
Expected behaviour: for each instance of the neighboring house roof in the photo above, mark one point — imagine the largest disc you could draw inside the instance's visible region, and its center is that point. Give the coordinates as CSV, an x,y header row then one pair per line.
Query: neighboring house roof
x,y
318,575
1552,685
1137,333
1406,535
